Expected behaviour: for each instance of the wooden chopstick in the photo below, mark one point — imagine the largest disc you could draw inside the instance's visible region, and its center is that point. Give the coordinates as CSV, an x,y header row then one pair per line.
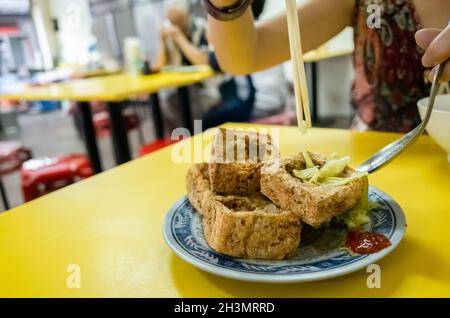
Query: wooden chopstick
x,y
300,84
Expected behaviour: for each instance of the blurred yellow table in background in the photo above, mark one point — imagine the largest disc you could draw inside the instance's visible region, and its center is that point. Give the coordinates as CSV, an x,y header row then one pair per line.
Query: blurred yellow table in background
x,y
328,51
110,88
111,227
115,90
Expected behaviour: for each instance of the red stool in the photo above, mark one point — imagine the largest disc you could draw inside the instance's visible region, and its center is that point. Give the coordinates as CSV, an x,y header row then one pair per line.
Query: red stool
x,y
12,156
158,144
102,125
44,175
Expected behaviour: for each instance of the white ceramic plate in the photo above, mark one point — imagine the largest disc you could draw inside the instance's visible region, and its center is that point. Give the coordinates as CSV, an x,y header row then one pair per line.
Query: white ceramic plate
x,y
322,259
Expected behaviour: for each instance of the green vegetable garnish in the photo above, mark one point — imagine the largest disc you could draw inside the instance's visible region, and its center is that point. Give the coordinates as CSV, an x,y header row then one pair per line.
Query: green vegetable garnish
x,y
334,155
360,214
331,173
308,160
333,168
339,181
307,174
354,218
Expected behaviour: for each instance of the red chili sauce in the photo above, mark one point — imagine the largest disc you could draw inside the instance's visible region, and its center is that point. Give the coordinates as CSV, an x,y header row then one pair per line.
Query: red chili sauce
x,y
366,242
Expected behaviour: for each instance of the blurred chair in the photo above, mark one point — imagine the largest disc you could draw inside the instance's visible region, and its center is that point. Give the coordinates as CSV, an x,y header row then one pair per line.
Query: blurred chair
x,y
102,123
44,175
12,155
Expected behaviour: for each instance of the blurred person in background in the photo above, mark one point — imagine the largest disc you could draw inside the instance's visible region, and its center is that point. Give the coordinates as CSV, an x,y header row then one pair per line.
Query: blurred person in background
x,y
182,37
183,42
391,54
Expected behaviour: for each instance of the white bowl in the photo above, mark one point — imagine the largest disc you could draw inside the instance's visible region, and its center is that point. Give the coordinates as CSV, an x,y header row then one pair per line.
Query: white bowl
x,y
439,125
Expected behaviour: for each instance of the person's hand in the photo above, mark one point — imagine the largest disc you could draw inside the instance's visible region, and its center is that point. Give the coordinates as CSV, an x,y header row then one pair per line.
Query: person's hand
x,y
436,44
164,33
171,31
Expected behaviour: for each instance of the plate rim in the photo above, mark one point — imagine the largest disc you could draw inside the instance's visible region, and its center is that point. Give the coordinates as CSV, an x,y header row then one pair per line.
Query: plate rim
x,y
397,236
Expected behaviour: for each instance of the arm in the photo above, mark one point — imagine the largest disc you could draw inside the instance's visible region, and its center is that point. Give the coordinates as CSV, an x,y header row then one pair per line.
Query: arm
x,y
436,44
190,51
161,58
244,48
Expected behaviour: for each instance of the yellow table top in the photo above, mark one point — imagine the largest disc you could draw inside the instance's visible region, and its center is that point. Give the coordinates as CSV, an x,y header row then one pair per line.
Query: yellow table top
x,y
326,53
109,88
340,45
111,226
83,74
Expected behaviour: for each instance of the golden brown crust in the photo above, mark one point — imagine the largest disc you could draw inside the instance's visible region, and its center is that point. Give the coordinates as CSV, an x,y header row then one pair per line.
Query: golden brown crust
x,y
315,205
235,178
197,186
236,157
242,226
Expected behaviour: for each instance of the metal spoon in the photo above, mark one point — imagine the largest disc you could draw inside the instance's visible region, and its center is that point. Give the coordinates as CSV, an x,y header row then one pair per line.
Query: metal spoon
x,y
391,151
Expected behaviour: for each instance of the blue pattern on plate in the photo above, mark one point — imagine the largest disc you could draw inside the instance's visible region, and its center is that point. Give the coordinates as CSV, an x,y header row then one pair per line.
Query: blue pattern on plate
x,y
187,230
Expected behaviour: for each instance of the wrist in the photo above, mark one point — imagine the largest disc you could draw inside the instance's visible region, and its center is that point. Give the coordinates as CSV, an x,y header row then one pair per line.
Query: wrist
x,y
226,10
223,3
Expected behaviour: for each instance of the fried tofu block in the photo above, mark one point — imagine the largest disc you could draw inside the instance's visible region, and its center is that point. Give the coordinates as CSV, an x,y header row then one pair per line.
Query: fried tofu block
x,y
198,186
236,161
242,226
314,204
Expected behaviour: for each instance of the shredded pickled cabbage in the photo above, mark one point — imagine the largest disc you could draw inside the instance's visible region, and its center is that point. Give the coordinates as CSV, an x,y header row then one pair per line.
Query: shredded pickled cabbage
x,y
333,167
307,174
339,181
308,160
330,173
333,155
360,214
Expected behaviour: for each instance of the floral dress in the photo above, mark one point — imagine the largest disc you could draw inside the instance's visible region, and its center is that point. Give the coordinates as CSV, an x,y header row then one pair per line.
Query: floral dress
x,y
389,76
